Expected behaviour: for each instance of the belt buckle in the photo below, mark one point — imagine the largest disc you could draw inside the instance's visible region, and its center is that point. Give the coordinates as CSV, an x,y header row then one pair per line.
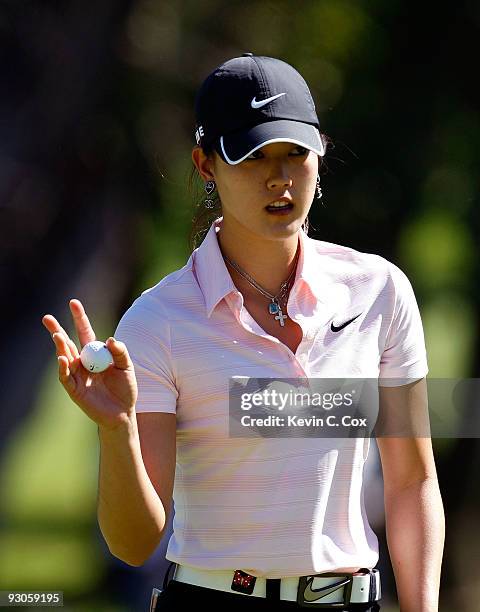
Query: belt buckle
x,y
243,582
309,598
154,598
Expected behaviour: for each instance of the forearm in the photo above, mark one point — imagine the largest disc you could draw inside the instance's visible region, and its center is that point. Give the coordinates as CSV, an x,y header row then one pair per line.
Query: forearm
x,y
415,524
131,515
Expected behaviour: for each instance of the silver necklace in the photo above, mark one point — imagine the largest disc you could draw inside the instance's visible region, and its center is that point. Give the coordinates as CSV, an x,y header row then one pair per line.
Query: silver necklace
x,y
275,306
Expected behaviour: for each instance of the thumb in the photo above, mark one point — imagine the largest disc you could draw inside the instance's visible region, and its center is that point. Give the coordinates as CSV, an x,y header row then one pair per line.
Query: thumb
x,y
121,358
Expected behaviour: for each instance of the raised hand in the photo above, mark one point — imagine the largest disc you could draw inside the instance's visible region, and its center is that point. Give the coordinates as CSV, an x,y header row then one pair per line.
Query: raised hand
x,y
107,397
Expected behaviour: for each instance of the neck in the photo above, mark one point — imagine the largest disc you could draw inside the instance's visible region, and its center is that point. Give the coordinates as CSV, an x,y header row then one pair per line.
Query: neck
x,y
268,262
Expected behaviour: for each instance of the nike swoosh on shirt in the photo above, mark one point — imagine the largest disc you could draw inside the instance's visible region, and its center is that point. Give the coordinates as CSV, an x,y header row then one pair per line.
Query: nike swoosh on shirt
x,y
259,103
336,329
310,594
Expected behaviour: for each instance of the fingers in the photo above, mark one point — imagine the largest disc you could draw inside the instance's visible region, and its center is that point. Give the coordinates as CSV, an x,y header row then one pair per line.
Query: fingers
x,y
82,324
121,358
62,346
64,349
65,375
54,327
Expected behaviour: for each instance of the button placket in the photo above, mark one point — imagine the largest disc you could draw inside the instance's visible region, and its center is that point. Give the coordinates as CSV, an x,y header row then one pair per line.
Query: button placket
x,y
239,310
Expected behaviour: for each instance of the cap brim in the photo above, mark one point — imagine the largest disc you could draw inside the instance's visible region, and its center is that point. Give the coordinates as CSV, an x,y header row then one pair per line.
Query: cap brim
x,y
235,147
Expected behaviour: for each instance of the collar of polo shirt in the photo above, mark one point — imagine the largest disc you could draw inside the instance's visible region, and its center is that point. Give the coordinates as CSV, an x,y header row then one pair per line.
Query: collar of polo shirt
x,y
216,282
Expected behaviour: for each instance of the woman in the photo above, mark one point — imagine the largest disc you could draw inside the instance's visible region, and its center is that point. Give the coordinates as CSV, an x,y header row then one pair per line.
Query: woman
x,y
279,520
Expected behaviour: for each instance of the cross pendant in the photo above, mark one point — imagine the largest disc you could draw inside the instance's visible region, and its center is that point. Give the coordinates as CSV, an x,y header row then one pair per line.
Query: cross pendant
x,y
280,317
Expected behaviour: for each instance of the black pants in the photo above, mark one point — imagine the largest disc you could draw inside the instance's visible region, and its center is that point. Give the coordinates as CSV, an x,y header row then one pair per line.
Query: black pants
x,y
180,595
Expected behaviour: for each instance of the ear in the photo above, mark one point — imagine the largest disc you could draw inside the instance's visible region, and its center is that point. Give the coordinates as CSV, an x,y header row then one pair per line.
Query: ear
x,y
203,163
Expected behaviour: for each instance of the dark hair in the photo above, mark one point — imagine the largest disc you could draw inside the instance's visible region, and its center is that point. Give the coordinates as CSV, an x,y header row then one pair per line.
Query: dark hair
x,y
202,216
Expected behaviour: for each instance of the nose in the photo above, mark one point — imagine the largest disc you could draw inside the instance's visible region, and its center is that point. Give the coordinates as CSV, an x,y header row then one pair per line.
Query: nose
x,y
279,177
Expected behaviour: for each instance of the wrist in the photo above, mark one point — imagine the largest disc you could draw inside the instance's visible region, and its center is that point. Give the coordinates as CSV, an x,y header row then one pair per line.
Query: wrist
x,y
125,428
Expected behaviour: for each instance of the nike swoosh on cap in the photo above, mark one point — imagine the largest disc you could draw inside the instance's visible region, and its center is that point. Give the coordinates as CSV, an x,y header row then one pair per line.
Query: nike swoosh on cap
x,y
259,103
336,329
310,594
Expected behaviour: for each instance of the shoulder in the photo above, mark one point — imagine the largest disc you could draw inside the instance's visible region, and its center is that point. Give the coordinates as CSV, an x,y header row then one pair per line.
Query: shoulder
x,y
359,277
345,262
177,284
163,297
155,308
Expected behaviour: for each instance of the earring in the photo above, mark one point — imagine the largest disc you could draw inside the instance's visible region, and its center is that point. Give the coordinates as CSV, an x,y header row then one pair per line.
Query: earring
x,y
318,188
209,189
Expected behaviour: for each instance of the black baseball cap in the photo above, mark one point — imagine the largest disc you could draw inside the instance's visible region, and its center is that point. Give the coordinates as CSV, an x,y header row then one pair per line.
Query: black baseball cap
x,y
254,100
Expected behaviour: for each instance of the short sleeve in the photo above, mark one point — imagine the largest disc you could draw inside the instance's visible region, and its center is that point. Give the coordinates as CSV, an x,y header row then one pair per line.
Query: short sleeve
x,y
146,333
404,358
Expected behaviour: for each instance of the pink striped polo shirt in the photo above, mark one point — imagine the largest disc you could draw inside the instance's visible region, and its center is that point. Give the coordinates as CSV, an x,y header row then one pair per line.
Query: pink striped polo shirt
x,y
274,507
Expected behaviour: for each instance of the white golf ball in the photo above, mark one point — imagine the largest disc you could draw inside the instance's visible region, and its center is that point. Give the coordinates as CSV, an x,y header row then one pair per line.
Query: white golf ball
x,y
95,356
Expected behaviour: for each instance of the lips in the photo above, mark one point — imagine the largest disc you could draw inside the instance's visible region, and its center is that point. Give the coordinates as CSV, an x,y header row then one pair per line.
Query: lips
x,y
282,206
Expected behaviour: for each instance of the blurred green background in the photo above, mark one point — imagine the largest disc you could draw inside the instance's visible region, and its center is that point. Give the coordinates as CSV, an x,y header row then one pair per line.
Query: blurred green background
x,y
96,132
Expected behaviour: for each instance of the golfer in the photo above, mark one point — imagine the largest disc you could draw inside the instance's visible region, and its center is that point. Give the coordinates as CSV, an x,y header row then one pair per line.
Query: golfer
x,y
261,522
